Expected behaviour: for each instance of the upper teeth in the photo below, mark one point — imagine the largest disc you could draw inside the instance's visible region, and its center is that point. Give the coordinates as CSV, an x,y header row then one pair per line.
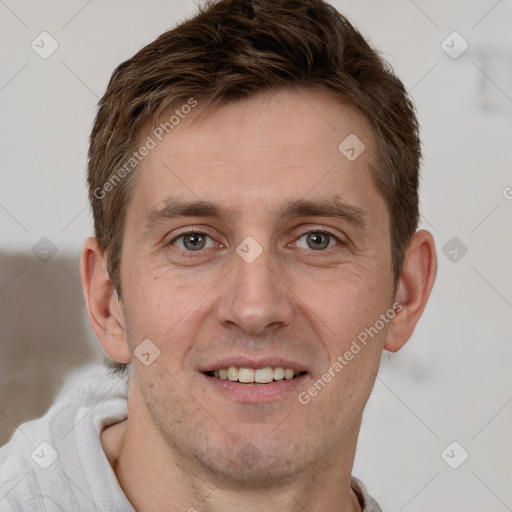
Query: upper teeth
x,y
260,375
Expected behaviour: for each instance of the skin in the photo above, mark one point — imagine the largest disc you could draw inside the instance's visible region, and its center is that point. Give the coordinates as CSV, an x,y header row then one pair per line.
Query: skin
x,y
185,445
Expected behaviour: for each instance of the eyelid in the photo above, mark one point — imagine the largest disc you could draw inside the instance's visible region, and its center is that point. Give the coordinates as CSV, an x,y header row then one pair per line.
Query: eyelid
x,y
188,231
340,237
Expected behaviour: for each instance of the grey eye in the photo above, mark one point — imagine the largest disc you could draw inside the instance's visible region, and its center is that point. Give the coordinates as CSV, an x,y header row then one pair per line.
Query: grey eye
x,y
194,241
316,241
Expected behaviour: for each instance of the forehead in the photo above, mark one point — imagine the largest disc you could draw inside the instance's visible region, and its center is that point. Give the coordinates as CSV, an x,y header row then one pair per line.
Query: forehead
x,y
260,152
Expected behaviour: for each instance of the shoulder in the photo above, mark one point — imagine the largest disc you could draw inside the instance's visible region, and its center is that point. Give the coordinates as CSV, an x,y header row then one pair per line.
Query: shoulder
x,y
42,452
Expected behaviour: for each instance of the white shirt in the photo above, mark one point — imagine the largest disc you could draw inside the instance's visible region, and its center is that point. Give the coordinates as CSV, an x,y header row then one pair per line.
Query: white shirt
x,y
57,463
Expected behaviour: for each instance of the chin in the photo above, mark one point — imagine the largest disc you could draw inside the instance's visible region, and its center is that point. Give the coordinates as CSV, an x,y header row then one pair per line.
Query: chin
x,y
256,469
257,463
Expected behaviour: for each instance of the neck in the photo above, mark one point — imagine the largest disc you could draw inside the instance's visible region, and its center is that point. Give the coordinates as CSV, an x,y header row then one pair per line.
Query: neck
x,y
156,477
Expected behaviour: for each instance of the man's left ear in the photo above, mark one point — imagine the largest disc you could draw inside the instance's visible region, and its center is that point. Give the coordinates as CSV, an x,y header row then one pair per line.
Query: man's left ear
x,y
413,290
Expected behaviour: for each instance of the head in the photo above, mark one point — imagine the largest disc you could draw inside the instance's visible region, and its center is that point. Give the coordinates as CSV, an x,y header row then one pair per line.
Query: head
x,y
277,135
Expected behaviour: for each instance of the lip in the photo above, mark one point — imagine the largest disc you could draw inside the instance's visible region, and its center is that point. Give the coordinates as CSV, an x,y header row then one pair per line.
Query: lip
x,y
253,362
252,392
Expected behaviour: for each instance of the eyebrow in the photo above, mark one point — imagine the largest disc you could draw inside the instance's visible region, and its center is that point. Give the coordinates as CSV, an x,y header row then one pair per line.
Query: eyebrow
x,y
331,207
174,208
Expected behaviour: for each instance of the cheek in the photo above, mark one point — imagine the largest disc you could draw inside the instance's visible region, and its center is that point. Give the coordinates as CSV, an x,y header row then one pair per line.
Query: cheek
x,y
353,334
346,302
163,306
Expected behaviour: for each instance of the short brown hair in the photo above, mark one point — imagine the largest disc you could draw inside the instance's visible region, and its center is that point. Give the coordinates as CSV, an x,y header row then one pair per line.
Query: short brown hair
x,y
232,49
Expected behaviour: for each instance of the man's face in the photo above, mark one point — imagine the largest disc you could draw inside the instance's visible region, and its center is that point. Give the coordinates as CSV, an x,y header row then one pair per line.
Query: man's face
x,y
252,241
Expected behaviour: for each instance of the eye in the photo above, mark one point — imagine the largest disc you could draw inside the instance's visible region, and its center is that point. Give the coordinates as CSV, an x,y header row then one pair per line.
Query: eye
x,y
317,241
193,241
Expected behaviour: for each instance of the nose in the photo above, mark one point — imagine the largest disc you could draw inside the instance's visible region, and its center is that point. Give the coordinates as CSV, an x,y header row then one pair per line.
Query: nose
x,y
254,298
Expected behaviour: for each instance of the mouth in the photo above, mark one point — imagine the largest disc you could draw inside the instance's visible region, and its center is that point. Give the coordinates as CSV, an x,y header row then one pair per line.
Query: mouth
x,y
245,379
265,375
255,382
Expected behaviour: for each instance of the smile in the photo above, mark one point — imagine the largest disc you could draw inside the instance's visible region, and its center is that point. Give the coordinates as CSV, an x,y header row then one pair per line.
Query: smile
x,y
254,375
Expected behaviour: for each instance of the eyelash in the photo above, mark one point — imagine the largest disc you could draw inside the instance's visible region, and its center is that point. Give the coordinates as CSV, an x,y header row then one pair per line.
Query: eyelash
x,y
313,231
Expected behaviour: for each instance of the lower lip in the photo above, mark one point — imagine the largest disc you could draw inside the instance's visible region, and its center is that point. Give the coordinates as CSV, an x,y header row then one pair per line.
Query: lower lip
x,y
253,392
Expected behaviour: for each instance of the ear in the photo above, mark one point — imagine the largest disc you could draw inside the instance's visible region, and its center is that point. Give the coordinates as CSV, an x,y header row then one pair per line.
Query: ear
x,y
105,311
413,290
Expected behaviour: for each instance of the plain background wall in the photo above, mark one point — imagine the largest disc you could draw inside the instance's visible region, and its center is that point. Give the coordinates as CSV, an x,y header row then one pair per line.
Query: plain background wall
x,y
452,381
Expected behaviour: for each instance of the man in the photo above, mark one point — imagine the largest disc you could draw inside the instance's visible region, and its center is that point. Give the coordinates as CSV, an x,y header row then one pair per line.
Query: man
x,y
253,176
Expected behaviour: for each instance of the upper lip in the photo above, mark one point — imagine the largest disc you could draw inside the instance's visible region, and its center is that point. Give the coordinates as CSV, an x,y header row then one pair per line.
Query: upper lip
x,y
253,362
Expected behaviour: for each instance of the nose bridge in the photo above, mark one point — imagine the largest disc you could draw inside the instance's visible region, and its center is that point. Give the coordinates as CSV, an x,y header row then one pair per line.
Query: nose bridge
x,y
254,298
